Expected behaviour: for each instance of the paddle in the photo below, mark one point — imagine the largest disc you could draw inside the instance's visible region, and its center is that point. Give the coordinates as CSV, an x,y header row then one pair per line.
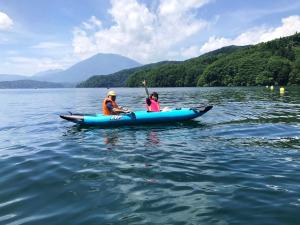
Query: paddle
x,y
146,89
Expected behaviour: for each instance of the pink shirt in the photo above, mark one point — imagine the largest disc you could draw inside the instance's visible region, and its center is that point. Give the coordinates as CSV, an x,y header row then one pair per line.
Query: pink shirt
x,y
154,107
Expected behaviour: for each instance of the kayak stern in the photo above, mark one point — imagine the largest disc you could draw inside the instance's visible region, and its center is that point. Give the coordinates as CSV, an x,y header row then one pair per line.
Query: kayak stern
x,y
75,118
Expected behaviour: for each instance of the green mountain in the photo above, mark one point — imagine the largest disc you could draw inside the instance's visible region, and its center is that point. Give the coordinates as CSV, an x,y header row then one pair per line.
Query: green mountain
x,y
119,79
133,77
275,62
181,74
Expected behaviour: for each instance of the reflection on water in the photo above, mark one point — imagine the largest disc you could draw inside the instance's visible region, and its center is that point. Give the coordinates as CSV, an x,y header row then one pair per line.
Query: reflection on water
x,y
111,138
153,137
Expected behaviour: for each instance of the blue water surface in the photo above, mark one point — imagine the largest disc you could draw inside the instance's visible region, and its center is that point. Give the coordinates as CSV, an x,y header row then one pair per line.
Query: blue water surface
x,y
237,164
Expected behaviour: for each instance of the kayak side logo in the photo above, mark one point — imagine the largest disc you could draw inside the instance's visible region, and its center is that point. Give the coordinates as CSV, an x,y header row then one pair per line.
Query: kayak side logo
x,y
116,117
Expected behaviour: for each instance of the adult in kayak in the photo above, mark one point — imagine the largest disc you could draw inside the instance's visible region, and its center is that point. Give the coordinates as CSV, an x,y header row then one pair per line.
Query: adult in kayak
x,y
152,103
110,107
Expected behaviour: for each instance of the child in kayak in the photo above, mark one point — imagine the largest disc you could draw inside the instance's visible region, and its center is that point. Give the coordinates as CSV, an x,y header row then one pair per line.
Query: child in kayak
x,y
152,102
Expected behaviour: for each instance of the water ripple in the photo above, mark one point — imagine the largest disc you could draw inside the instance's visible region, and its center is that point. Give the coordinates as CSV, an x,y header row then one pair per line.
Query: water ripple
x,y
238,163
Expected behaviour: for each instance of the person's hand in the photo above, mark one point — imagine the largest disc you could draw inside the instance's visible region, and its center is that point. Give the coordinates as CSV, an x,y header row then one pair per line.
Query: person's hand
x,y
125,110
144,82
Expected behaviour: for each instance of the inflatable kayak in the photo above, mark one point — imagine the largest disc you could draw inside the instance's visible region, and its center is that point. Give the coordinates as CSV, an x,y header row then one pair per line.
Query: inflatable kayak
x,y
138,117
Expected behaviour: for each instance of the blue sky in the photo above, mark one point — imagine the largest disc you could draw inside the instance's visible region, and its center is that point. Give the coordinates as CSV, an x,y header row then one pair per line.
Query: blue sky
x,y
40,35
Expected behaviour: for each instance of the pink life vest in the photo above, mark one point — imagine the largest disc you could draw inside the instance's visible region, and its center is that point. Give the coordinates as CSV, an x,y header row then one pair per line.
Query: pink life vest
x,y
154,107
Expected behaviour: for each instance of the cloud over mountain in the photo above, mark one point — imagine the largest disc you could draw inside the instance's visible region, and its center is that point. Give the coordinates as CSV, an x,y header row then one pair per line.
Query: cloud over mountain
x,y
289,26
139,32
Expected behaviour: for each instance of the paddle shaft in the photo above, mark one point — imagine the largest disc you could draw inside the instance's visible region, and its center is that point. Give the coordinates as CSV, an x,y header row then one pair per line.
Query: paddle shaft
x,y
146,89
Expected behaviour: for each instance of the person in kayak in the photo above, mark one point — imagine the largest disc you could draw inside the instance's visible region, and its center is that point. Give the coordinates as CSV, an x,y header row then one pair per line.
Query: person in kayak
x,y
110,107
152,102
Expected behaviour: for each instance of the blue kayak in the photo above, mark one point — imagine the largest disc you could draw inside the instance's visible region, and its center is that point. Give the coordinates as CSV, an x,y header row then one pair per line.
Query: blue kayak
x,y
138,117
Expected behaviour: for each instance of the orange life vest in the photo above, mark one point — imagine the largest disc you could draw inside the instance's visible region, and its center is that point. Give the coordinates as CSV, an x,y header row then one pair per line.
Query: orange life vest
x,y
105,110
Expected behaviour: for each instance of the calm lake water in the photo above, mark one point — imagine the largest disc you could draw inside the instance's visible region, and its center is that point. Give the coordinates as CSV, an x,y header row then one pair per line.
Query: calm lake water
x,y
238,164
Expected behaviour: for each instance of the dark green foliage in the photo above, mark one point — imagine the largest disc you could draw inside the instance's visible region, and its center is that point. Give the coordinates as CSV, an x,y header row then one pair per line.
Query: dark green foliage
x,y
295,73
182,74
115,80
118,79
279,69
264,78
275,62
166,76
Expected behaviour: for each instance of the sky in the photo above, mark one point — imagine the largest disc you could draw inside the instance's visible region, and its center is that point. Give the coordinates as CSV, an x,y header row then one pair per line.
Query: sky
x,y
43,35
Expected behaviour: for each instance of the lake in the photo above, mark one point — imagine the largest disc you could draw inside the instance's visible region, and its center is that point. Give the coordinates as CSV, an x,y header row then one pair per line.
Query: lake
x,y
237,164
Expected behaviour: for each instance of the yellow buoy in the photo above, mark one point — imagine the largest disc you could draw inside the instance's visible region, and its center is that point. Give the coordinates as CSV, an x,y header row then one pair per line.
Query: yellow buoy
x,y
272,88
281,90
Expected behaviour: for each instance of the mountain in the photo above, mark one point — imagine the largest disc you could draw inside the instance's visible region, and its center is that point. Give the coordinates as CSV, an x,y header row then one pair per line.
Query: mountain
x,y
98,64
47,72
12,77
118,79
183,74
225,50
28,84
167,69
276,62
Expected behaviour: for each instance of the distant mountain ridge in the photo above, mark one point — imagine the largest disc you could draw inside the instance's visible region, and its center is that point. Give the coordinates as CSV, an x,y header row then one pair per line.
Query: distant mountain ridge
x,y
98,64
28,84
12,77
166,69
47,72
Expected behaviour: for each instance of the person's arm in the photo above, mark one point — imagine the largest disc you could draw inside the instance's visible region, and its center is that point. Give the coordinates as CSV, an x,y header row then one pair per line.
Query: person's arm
x,y
109,106
146,89
120,110
116,110
148,101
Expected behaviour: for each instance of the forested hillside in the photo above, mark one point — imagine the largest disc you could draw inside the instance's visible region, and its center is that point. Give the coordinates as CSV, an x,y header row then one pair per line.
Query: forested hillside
x,y
182,74
118,79
272,63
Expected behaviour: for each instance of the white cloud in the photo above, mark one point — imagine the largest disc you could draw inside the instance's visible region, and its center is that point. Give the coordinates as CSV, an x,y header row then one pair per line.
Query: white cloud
x,y
290,25
92,23
48,45
6,23
138,32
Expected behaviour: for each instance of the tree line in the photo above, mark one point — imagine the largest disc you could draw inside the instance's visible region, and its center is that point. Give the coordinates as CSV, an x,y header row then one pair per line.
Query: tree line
x,y
275,62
